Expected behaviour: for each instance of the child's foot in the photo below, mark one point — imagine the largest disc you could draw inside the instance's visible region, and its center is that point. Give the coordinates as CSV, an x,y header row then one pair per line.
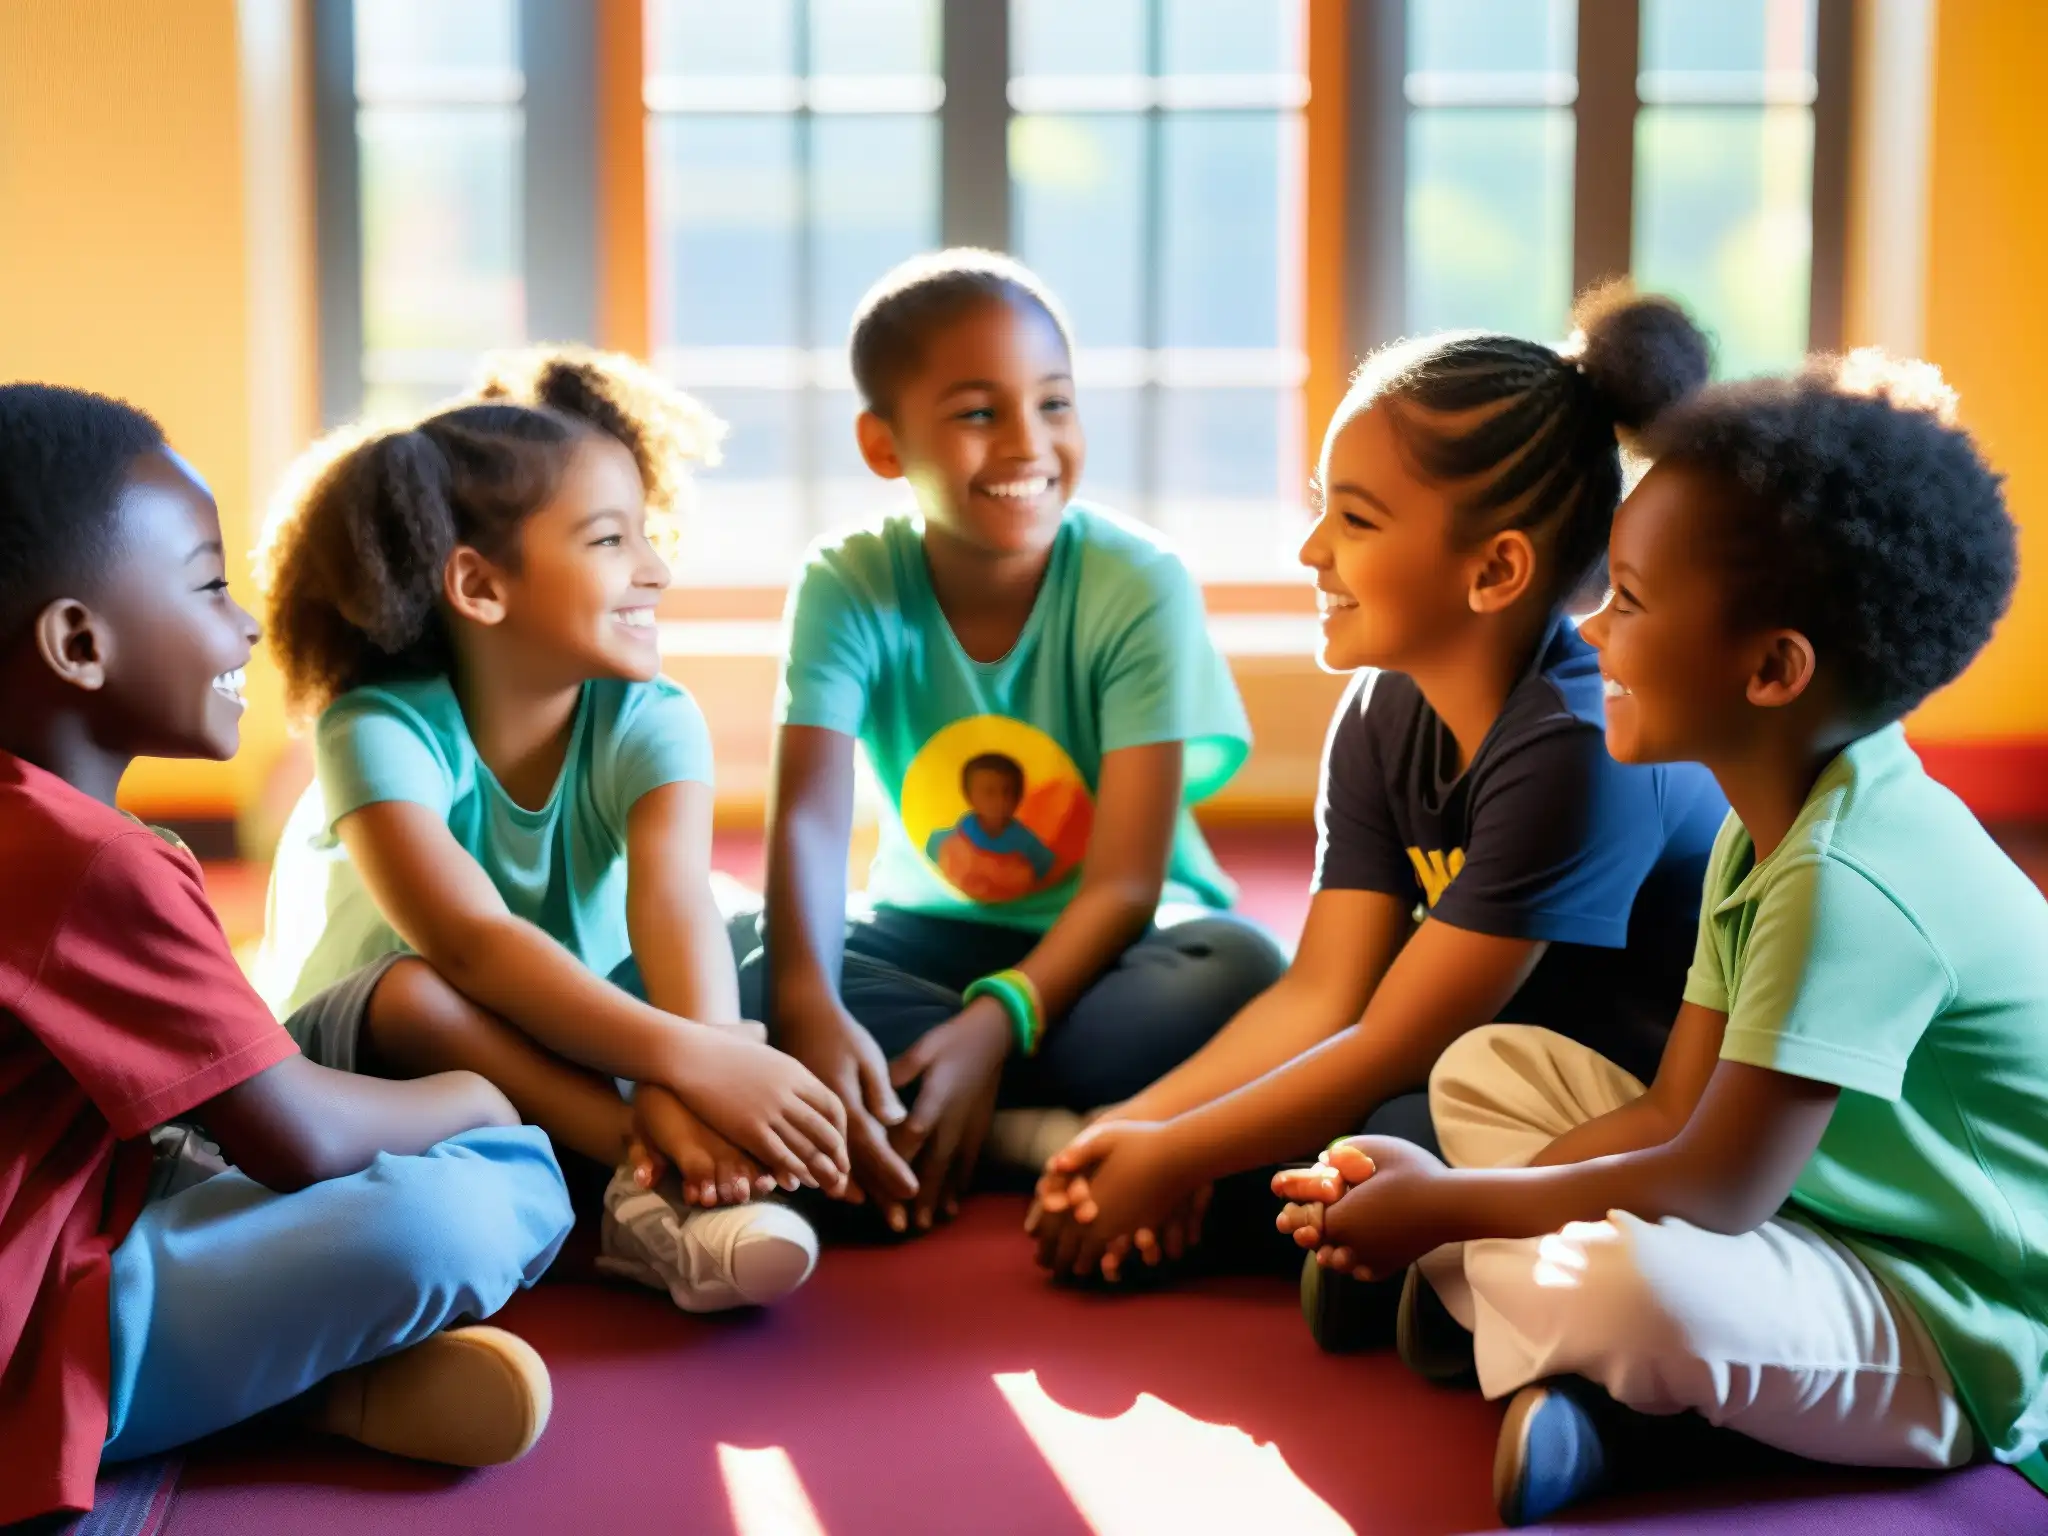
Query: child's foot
x,y
469,1397
1553,1450
1432,1343
748,1255
1345,1315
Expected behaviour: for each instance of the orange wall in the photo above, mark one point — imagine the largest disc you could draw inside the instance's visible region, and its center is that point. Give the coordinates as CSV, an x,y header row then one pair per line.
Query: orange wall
x,y
1987,322
124,265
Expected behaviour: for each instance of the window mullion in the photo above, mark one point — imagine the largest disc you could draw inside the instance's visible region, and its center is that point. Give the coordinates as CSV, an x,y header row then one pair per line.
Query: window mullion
x,y
1834,66
974,123
1604,147
338,213
1376,178
558,216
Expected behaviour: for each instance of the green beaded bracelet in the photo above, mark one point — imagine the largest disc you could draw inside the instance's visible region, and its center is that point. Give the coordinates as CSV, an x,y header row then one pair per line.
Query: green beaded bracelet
x,y
1019,999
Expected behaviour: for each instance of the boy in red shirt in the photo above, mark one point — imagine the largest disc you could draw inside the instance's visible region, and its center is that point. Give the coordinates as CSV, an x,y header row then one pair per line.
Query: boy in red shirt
x,y
144,1303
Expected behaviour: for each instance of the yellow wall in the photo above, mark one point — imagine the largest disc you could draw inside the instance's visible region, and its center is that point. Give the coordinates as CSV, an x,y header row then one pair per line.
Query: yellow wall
x,y
1987,322
124,264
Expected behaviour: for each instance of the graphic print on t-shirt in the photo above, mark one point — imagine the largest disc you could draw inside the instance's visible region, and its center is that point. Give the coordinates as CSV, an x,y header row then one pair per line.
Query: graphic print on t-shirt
x,y
1436,870
997,808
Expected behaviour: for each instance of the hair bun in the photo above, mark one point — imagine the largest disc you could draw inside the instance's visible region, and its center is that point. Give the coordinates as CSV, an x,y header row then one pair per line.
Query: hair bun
x,y
1641,353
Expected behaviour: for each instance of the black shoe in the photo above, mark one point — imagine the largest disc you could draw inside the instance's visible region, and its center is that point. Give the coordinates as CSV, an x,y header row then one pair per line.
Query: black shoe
x,y
1432,1343
1554,1449
1345,1314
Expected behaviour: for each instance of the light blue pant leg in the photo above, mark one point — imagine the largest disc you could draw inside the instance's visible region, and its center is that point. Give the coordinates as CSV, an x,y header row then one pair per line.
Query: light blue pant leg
x,y
229,1299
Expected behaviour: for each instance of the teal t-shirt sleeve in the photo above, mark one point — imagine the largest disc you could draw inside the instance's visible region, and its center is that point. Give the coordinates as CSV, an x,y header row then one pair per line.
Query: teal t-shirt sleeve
x,y
831,652
1164,680
369,748
1838,983
1706,984
662,739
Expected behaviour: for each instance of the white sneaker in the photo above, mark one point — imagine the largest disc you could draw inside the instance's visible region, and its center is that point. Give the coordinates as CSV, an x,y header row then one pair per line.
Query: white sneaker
x,y
748,1255
1025,1138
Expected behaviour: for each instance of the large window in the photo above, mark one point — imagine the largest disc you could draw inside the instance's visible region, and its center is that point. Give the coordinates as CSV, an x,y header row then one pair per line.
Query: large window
x,y
790,162
439,128
1721,173
1148,157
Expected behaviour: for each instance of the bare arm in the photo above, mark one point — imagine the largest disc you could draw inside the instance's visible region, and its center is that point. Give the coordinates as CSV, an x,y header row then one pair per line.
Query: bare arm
x,y
1444,981
1137,803
1688,1063
1347,944
296,1124
810,821
678,936
1728,1169
442,903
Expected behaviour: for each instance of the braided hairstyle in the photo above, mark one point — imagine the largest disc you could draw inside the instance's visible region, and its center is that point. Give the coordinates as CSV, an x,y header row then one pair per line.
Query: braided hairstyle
x,y
351,564
1528,436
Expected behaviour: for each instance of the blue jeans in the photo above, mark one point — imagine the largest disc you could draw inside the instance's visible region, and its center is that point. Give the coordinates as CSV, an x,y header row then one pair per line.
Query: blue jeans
x,y
228,1298
1155,1006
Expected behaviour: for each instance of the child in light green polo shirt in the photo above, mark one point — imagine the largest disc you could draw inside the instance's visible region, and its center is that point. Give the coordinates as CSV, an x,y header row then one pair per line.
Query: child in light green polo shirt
x,y
1825,1225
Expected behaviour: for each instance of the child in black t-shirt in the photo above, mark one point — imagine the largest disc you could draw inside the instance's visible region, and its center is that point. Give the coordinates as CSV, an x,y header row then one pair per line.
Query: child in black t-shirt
x,y
1468,483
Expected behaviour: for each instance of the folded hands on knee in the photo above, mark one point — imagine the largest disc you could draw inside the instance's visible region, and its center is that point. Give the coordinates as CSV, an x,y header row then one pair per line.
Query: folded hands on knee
x,y
1370,1206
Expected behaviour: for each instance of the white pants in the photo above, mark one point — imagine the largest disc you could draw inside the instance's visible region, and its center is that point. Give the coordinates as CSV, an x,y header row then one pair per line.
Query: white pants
x,y
1781,1333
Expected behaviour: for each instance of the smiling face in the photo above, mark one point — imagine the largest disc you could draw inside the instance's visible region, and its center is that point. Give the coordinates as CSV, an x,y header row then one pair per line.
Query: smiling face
x,y
171,642
581,597
1390,580
985,430
1677,674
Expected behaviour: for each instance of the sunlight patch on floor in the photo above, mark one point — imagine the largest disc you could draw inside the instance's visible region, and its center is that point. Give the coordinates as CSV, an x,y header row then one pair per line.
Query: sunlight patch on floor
x,y
1155,1468
766,1495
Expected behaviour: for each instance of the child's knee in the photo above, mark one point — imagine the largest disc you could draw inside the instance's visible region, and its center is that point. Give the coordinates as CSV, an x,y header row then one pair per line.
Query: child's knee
x,y
1589,1287
480,1210
415,1012
1242,958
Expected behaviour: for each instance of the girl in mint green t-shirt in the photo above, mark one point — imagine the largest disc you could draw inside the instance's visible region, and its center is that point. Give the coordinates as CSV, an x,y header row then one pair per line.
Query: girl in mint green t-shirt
x,y
1032,681
504,863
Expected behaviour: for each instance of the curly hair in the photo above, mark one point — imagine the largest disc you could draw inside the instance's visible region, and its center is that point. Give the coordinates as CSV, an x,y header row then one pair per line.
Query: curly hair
x,y
923,295
351,564
1864,517
1539,447
63,456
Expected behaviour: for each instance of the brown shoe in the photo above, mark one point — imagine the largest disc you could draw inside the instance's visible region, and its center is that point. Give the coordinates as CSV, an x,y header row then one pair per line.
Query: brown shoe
x,y
469,1397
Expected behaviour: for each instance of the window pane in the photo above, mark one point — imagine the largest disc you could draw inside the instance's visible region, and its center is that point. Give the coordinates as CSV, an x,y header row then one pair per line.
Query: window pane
x,y
1229,195
1230,37
874,200
453,39
1510,40
1219,471
699,37
1490,220
723,211
1728,49
1077,202
1723,221
874,37
749,521
1078,37
1111,477
441,247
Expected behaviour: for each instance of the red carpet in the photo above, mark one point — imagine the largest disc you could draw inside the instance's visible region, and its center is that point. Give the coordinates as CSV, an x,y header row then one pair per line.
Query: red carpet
x,y
946,1387
884,1392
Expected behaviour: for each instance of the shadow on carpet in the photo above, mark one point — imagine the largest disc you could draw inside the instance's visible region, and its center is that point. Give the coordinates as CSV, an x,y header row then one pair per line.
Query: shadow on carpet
x,y
945,1387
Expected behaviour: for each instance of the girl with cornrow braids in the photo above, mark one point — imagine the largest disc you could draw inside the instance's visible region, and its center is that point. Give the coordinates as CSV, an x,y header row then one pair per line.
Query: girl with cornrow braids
x,y
1480,855
504,861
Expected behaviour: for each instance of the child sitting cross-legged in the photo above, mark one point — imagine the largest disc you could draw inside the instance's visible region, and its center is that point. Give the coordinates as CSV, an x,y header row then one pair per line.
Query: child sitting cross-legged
x,y
1824,1224
149,1294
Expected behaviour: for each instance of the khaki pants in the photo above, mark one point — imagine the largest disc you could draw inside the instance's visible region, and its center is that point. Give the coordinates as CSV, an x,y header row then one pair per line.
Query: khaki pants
x,y
1781,1333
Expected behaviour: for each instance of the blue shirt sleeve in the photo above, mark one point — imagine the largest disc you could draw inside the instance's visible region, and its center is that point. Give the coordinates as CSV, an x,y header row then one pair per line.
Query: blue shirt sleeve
x,y
1357,847
662,739
370,747
831,652
1164,680
1561,838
